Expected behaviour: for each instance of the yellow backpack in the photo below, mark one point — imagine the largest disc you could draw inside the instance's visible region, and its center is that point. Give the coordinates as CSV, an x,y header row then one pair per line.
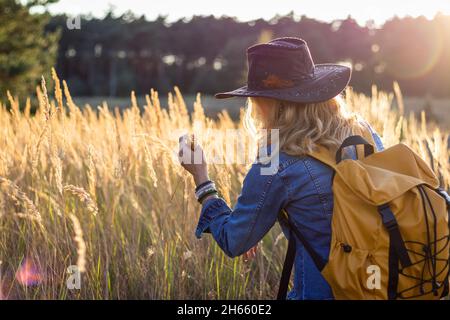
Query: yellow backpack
x,y
390,227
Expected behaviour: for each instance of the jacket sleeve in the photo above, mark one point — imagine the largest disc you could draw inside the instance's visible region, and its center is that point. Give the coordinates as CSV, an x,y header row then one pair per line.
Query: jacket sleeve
x,y
256,211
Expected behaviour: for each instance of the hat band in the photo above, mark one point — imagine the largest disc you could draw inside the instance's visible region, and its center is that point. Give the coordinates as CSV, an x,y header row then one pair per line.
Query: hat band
x,y
275,81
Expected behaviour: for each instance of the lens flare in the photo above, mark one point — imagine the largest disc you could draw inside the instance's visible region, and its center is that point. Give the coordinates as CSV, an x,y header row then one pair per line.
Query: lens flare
x,y
28,274
417,59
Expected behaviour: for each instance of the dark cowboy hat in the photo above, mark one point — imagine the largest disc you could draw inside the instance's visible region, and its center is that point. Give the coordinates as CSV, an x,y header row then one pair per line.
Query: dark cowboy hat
x,y
284,69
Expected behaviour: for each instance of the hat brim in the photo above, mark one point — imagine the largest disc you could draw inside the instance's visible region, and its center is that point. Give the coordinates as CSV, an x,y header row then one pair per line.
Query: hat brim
x,y
329,80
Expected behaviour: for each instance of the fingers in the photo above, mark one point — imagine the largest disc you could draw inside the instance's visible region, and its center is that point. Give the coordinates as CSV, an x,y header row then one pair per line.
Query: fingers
x,y
189,140
182,147
253,252
183,139
184,155
250,254
188,147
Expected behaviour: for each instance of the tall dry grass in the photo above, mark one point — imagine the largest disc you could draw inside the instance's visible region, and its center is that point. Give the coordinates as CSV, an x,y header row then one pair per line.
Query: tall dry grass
x,y
101,189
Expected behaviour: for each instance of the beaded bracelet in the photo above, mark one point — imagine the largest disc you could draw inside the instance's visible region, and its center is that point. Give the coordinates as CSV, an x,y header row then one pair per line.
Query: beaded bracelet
x,y
205,188
202,185
206,194
208,190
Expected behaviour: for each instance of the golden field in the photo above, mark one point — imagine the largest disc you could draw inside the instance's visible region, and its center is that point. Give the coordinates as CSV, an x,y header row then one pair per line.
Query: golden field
x,y
102,189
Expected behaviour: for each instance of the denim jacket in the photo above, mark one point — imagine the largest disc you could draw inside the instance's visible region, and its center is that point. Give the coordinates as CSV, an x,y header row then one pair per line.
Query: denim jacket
x,y
302,186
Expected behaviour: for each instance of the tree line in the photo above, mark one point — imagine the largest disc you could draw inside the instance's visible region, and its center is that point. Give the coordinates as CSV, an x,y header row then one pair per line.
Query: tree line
x,y
118,53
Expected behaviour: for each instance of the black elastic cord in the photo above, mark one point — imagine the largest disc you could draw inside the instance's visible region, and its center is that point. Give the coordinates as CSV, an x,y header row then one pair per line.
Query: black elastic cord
x,y
429,253
434,256
434,243
445,195
426,247
421,280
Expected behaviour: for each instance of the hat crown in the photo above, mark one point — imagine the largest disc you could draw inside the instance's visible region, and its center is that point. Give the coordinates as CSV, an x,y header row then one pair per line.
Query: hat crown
x,y
292,43
280,63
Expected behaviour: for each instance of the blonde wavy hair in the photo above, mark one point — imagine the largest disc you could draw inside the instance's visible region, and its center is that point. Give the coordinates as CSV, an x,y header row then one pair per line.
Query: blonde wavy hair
x,y
301,126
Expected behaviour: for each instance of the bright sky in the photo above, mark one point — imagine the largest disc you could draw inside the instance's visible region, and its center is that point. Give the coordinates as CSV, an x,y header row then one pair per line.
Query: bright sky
x,y
244,10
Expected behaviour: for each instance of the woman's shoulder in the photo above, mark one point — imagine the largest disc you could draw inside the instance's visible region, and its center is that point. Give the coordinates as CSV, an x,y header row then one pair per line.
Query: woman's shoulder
x,y
294,166
376,137
277,158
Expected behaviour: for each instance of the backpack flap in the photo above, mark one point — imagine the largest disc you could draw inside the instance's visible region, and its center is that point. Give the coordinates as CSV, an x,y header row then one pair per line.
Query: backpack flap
x,y
381,177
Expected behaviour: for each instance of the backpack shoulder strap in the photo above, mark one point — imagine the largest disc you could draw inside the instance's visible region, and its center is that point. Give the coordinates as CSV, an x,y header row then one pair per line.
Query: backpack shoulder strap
x,y
290,254
287,268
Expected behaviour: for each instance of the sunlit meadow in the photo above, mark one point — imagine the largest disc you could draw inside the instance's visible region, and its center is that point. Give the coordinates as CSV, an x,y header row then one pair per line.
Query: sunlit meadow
x,y
101,189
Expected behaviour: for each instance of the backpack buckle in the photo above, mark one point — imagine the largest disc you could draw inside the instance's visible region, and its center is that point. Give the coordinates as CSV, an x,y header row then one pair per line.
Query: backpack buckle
x,y
391,225
387,217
